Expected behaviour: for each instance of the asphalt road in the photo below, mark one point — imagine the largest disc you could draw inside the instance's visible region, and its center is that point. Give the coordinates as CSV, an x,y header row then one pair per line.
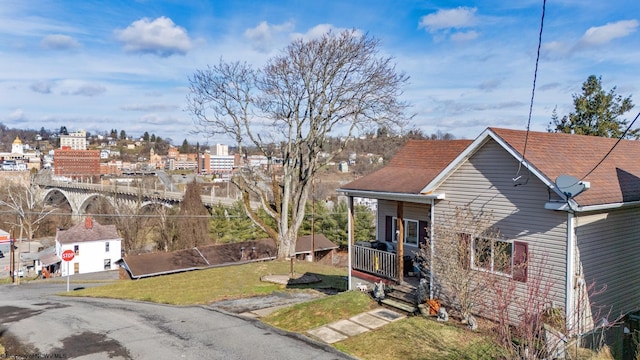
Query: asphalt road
x,y
86,328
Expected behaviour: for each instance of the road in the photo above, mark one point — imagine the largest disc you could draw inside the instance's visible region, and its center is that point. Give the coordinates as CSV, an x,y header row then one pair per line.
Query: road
x,y
85,328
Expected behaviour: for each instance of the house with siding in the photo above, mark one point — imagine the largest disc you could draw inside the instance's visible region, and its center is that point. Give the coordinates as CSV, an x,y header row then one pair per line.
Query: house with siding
x,y
96,247
588,238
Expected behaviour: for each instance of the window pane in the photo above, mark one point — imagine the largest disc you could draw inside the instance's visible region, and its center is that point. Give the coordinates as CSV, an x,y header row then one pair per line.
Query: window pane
x,y
482,253
412,232
502,255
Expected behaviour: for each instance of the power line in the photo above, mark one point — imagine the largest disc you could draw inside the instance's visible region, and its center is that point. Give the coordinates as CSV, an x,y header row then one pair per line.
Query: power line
x,y
533,93
622,136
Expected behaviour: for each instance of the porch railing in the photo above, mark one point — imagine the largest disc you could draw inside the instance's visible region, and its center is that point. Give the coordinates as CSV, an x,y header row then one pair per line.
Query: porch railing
x,y
378,262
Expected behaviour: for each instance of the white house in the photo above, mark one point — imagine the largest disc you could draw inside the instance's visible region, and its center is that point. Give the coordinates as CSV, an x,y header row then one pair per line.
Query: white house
x,y
96,247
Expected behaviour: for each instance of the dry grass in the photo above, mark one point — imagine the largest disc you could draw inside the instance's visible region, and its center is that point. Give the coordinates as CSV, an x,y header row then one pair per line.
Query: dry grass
x,y
420,338
309,315
206,286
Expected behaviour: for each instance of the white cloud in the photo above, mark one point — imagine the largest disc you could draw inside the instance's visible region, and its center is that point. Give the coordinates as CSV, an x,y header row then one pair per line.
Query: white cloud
x,y
17,115
150,107
464,36
43,87
318,31
458,18
59,42
599,35
263,37
72,87
160,36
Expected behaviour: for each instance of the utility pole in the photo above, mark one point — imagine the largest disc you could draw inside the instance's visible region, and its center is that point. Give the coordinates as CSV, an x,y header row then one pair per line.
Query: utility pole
x,y
12,266
313,217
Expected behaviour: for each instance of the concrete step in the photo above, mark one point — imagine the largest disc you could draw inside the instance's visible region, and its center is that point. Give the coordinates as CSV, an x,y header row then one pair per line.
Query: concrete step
x,y
404,307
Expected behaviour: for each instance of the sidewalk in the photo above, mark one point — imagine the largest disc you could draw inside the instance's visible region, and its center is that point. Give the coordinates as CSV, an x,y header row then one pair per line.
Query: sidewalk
x,y
355,325
342,329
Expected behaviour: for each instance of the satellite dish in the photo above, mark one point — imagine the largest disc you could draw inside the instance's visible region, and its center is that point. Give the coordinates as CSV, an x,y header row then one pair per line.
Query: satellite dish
x,y
571,186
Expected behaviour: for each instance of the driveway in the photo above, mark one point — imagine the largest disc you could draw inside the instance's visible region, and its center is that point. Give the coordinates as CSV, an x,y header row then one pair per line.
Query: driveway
x,y
86,328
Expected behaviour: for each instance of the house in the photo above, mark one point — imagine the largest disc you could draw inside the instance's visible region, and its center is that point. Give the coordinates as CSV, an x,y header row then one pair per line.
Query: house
x,y
96,247
586,236
323,248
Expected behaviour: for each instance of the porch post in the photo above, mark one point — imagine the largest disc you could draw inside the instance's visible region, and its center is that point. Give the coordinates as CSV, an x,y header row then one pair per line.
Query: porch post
x,y
350,222
400,250
431,247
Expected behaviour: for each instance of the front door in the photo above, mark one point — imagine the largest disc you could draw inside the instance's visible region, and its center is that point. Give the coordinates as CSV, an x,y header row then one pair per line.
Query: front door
x,y
76,268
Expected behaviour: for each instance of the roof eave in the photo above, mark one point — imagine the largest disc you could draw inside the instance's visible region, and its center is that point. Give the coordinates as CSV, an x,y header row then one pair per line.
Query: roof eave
x,y
574,207
424,198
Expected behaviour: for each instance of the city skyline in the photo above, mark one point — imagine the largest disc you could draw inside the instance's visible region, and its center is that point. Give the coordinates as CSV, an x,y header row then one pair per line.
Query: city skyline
x,y
99,65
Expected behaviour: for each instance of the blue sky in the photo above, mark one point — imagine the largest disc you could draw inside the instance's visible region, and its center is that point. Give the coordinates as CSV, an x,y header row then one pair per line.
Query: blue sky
x,y
100,65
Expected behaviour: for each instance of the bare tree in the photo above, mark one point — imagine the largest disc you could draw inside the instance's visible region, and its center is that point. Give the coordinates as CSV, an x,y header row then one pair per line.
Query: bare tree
x,y
336,84
461,284
26,201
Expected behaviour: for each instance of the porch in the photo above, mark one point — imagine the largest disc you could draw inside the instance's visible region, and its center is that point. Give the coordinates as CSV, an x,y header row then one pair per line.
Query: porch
x,y
378,265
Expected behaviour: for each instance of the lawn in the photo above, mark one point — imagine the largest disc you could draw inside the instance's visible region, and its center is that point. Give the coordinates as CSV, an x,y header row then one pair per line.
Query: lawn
x,y
206,286
410,338
309,315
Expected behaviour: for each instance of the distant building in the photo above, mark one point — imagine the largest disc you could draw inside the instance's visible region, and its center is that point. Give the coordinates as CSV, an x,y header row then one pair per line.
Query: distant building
x,y
221,149
216,164
75,141
76,164
343,167
96,247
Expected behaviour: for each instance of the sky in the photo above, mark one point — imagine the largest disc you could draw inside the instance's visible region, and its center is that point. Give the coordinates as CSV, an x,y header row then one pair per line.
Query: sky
x,y
125,65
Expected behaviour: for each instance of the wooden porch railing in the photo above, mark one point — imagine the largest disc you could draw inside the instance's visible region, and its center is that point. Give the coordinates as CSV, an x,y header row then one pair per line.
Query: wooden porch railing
x,y
378,262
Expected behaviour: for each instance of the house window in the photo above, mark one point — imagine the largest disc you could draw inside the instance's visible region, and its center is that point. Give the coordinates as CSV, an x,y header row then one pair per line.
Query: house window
x,y
76,249
411,231
107,264
106,246
493,255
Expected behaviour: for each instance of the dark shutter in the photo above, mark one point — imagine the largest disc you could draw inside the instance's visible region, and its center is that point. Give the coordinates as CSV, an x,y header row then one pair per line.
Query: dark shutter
x,y
520,259
465,250
422,233
388,230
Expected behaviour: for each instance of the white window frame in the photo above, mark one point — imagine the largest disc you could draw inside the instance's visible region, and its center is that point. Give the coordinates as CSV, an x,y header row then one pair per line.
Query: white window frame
x,y
491,268
394,229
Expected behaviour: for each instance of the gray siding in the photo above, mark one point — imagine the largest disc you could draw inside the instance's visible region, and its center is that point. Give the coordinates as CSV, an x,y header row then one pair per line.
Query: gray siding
x,y
412,211
609,255
484,182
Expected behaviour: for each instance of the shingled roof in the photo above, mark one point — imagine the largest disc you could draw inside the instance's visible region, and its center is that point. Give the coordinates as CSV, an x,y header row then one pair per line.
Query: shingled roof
x,y
320,243
88,230
615,180
421,165
412,168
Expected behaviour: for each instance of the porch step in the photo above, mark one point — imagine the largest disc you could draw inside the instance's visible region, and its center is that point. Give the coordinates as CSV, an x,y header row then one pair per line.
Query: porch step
x,y
408,297
404,307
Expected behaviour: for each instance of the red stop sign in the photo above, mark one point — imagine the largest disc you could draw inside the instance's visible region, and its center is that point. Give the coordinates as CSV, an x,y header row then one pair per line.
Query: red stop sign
x,y
68,255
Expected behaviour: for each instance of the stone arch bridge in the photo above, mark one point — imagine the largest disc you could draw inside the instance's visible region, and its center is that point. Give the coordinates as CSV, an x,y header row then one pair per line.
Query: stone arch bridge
x,y
80,195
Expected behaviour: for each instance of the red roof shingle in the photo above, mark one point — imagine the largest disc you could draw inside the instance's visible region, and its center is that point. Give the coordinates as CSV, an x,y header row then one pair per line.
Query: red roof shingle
x,y
615,180
412,168
82,233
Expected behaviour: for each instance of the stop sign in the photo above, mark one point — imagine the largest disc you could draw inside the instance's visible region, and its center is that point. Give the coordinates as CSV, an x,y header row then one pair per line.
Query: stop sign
x,y
68,255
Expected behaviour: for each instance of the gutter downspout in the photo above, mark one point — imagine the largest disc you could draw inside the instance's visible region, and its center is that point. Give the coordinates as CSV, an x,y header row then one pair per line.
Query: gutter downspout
x,y
569,313
349,238
432,248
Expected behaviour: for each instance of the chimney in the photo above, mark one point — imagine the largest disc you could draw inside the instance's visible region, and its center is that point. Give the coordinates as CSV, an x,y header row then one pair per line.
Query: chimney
x,y
88,222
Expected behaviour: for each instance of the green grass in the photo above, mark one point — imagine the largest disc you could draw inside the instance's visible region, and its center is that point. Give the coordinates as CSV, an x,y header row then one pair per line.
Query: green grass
x,y
206,286
409,338
416,338
309,315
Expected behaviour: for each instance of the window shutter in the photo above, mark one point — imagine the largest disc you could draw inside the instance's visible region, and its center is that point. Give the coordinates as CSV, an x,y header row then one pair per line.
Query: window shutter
x,y
422,232
388,229
465,250
520,261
